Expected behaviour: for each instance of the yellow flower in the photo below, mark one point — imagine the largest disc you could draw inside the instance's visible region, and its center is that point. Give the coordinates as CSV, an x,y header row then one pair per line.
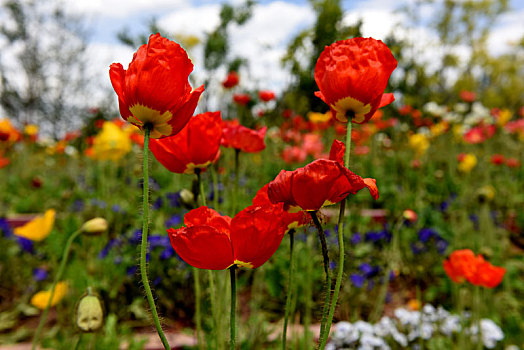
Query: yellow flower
x,y
111,143
319,117
504,117
438,129
486,192
467,163
40,299
31,129
419,143
38,228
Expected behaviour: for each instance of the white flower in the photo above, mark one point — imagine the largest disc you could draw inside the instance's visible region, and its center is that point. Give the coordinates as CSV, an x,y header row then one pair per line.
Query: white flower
x,y
461,107
373,341
450,324
364,327
345,333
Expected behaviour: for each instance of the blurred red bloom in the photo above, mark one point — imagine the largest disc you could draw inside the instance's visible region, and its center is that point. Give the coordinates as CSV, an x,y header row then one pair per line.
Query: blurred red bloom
x,y
155,88
405,110
463,265
322,182
215,242
410,215
312,145
4,161
512,162
479,134
497,159
239,137
266,95
467,96
195,147
294,154
241,99
231,80
352,76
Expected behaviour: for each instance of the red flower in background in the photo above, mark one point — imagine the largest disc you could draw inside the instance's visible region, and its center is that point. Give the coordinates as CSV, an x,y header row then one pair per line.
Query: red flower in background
x,y
239,137
196,146
512,162
215,242
467,96
479,134
497,159
266,95
294,154
322,182
231,80
352,76
3,161
155,88
241,99
463,265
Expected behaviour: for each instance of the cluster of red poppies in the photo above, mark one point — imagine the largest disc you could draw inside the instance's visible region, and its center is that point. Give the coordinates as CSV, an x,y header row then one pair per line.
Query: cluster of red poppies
x,y
462,265
351,74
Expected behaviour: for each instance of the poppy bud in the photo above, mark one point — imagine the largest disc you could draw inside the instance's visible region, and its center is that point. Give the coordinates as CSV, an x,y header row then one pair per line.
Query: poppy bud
x,y
95,226
89,314
186,196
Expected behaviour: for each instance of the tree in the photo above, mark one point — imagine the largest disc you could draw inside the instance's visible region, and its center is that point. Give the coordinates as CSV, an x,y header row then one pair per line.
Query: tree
x,y
42,66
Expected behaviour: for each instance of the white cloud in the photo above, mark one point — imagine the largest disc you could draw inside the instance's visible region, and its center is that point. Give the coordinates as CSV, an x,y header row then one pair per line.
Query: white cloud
x,y
192,20
122,9
507,32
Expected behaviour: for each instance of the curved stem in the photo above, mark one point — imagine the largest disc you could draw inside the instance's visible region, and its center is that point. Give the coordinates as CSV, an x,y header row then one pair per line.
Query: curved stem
x,y
327,288
232,320
289,287
61,269
143,247
340,271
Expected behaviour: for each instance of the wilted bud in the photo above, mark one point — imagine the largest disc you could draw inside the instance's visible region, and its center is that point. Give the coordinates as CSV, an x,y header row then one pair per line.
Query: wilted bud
x,y
89,314
95,226
186,196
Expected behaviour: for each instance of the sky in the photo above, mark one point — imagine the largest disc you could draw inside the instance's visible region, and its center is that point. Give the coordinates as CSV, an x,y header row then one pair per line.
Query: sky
x,y
263,39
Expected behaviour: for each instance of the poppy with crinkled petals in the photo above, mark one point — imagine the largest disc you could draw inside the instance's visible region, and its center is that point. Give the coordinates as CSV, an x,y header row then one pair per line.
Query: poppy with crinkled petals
x,y
195,147
460,265
352,76
155,89
215,242
487,275
320,183
239,137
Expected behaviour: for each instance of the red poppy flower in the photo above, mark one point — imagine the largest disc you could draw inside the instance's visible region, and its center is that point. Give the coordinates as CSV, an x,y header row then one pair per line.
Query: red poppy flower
x,y
231,81
497,159
4,161
288,219
467,96
512,162
215,242
322,182
352,76
486,275
266,95
196,146
241,99
294,154
479,134
239,137
155,88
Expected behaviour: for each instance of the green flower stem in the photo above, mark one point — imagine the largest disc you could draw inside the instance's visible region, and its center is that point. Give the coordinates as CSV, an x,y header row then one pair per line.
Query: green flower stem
x,y
340,270
198,306
143,247
327,288
289,287
478,305
212,298
58,276
308,295
215,187
232,319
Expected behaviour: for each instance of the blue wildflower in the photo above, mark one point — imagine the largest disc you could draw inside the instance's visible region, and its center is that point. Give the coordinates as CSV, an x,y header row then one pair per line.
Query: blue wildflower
x,y
173,221
174,199
356,238
357,280
39,274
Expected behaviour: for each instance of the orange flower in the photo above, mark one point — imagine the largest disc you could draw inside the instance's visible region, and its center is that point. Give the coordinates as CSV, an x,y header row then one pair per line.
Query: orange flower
x,y
464,265
215,242
352,76
155,89
196,146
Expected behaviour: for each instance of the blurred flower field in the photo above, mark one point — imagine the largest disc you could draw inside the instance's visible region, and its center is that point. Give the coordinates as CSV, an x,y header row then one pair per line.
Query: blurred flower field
x,y
374,219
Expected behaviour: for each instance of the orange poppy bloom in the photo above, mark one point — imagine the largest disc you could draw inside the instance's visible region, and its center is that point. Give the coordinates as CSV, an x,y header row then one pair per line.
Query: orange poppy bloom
x,y
352,76
155,89
196,146
215,242
463,265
